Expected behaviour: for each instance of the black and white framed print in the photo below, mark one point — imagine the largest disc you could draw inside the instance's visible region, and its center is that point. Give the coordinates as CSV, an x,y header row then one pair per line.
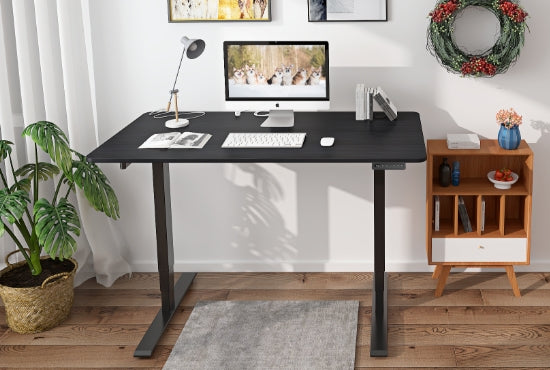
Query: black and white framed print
x,y
219,10
347,10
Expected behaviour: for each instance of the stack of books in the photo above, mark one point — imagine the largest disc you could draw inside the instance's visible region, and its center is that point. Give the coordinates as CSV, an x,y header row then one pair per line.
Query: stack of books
x,y
365,98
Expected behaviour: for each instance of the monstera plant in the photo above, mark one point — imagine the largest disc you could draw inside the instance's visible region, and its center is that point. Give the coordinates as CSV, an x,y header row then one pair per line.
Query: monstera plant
x,y
49,225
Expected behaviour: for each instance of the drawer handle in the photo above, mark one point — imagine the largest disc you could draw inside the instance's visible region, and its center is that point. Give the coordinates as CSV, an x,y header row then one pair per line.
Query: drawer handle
x,y
481,247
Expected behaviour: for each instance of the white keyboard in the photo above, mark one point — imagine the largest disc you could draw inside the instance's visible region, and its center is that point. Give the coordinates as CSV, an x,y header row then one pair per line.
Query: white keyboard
x,y
264,140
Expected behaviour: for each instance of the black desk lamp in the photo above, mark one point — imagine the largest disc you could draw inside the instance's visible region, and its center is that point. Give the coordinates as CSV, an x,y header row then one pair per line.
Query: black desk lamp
x,y
193,48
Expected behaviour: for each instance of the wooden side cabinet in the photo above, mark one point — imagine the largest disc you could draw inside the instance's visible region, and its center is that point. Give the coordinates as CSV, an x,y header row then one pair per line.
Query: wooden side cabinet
x,y
500,220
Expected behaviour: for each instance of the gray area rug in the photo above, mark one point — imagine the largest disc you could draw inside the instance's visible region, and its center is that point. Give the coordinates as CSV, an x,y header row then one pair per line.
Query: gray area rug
x,y
268,335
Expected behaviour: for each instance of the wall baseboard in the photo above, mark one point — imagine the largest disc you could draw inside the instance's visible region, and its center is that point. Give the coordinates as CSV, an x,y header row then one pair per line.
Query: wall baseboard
x,y
313,266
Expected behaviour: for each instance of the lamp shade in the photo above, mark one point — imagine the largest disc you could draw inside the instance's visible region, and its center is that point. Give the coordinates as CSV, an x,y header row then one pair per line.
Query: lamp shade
x,y
193,47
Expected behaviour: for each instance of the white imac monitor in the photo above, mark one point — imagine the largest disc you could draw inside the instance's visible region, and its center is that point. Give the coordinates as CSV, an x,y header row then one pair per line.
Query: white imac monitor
x,y
276,77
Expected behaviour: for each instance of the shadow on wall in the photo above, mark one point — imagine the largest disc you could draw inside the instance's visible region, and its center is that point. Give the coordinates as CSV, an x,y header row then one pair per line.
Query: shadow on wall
x,y
260,228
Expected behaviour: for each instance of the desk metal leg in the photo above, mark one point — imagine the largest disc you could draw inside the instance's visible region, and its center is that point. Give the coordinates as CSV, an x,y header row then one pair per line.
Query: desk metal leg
x,y
379,321
171,295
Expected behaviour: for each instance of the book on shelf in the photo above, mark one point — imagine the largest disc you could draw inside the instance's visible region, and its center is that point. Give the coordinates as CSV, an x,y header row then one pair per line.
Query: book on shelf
x,y
463,213
482,226
176,140
462,141
436,213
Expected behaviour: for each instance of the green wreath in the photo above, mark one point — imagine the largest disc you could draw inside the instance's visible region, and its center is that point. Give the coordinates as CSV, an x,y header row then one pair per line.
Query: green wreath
x,y
486,64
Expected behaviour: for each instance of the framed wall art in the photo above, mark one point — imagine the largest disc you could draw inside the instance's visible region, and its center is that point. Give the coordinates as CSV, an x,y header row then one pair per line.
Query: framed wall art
x,y
219,10
347,10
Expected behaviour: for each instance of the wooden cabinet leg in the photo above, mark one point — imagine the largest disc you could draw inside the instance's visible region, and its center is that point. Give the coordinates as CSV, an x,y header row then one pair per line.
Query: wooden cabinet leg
x,y
512,277
437,271
445,270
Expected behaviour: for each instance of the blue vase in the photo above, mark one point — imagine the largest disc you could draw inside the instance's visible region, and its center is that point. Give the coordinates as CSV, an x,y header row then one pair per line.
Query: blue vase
x,y
509,138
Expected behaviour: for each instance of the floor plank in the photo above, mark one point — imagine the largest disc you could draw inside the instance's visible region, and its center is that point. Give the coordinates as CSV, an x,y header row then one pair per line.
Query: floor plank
x,y
461,335
505,298
407,356
472,280
85,356
472,315
93,335
503,356
139,298
315,280
476,323
125,315
363,296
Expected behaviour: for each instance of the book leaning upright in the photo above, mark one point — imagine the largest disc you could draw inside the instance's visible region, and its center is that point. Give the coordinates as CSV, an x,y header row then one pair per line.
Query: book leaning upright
x,y
482,214
463,213
436,213
360,103
369,96
385,103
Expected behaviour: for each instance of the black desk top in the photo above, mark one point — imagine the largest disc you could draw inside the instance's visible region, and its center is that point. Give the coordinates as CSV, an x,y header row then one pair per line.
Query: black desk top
x,y
355,141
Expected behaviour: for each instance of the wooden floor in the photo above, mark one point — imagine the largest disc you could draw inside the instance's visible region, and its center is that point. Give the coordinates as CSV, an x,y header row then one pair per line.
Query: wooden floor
x,y
476,323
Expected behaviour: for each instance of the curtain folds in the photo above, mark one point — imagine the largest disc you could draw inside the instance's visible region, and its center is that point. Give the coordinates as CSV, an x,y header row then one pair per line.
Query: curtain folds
x,y
46,73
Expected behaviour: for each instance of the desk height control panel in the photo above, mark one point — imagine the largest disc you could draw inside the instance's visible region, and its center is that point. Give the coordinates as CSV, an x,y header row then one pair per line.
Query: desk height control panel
x,y
388,166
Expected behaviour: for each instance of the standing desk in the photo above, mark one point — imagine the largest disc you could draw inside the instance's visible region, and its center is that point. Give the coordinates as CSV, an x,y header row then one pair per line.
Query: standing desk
x,y
387,145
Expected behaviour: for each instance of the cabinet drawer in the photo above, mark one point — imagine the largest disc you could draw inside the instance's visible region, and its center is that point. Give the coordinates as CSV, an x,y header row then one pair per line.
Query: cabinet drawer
x,y
479,250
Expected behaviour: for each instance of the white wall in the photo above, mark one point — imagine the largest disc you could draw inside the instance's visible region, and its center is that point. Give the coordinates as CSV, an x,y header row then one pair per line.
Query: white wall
x,y
298,217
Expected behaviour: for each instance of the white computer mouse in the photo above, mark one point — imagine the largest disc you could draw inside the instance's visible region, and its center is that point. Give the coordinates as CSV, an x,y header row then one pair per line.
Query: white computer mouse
x,y
327,141
182,122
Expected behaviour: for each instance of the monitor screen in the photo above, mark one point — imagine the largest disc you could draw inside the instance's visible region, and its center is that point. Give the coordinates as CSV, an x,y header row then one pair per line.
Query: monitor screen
x,y
276,70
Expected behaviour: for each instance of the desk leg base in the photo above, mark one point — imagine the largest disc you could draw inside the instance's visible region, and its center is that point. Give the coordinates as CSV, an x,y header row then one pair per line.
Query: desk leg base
x,y
379,321
159,324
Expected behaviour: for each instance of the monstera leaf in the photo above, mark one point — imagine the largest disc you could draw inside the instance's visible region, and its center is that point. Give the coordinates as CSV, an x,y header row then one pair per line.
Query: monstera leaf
x,y
95,185
44,170
53,141
23,184
5,149
54,226
12,206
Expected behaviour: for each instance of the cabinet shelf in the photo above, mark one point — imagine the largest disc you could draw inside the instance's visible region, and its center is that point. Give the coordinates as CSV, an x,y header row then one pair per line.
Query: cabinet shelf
x,y
478,186
500,220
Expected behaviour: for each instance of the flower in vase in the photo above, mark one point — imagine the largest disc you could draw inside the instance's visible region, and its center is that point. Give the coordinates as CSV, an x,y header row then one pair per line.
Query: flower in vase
x,y
509,118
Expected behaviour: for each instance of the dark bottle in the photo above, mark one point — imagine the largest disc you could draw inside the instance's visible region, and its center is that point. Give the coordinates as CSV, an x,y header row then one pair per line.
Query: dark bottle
x,y
444,173
455,176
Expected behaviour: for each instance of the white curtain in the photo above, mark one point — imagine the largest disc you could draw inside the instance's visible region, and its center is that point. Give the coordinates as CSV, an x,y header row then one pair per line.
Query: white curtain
x,y
46,73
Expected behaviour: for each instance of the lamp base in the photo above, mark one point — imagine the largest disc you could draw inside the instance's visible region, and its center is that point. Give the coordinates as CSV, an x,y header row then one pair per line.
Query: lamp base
x,y
173,123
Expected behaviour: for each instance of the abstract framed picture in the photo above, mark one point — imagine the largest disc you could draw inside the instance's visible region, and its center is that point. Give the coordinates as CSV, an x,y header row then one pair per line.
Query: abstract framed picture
x,y
219,10
347,10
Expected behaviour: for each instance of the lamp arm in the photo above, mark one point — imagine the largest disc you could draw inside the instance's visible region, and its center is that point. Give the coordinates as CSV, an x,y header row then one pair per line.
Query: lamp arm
x,y
175,79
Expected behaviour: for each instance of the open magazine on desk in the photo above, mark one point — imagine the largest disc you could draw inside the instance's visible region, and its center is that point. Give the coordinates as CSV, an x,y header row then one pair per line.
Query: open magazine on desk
x,y
176,140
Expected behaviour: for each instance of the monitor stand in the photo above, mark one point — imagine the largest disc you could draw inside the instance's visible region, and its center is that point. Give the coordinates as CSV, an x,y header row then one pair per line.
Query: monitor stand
x,y
279,118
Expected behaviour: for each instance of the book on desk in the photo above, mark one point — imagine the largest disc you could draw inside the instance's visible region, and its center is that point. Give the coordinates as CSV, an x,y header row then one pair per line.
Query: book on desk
x,y
176,140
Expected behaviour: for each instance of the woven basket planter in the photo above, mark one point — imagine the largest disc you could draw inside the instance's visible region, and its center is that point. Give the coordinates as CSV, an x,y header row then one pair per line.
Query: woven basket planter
x,y
36,309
